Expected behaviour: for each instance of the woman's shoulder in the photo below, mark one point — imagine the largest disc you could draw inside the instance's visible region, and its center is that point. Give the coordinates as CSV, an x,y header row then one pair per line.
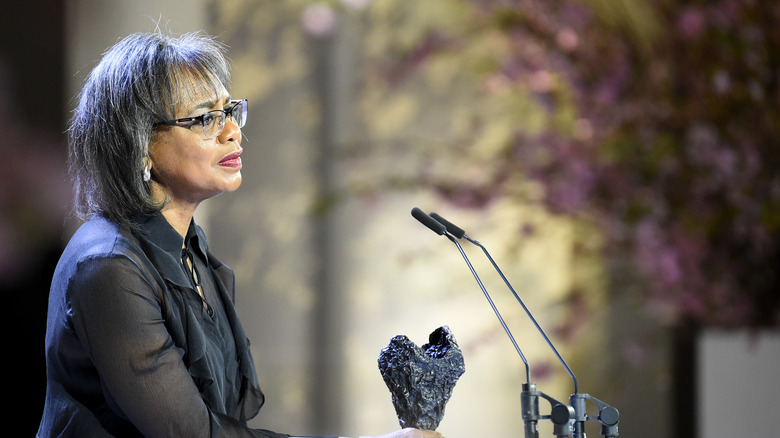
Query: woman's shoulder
x,y
99,238
99,245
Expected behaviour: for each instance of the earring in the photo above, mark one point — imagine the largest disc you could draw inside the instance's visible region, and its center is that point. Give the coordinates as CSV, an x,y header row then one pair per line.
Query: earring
x,y
147,174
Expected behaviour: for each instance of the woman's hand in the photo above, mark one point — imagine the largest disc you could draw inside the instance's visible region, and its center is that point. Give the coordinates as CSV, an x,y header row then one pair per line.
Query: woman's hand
x,y
410,433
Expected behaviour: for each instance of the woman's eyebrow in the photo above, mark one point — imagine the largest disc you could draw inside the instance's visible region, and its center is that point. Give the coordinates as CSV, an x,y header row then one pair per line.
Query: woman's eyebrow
x,y
209,104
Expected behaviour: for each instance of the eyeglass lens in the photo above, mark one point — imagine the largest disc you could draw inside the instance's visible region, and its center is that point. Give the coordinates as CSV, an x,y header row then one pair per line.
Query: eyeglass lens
x,y
214,122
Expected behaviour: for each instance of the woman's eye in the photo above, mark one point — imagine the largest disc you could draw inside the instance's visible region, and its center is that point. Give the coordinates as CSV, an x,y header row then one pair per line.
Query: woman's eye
x,y
208,119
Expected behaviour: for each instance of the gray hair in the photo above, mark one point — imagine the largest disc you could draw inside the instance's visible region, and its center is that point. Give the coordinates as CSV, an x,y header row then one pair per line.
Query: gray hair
x,y
138,82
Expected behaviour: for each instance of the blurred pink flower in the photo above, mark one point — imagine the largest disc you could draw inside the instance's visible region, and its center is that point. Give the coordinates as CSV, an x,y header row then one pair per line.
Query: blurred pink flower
x,y
319,19
672,149
691,23
567,39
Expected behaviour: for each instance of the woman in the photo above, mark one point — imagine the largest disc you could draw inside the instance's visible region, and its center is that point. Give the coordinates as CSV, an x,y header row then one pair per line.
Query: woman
x,y
142,337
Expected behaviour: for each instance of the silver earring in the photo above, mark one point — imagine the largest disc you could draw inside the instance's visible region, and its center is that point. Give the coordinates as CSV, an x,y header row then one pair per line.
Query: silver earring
x,y
147,174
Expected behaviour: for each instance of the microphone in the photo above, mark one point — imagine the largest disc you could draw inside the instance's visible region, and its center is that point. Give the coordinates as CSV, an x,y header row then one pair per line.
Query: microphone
x,y
568,420
529,398
459,233
425,219
440,229
451,228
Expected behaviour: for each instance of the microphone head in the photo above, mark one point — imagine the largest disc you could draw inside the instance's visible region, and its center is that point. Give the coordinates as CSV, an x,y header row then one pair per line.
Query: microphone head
x,y
428,221
451,228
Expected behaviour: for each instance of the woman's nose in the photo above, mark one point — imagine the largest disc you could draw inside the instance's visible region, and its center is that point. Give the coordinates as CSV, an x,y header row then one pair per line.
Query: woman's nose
x,y
231,132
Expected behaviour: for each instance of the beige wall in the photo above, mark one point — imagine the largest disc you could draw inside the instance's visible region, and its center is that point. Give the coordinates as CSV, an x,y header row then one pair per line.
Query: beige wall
x,y
93,25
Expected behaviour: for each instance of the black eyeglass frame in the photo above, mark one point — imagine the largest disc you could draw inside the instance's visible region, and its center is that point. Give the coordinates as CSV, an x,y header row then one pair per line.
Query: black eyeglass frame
x,y
228,111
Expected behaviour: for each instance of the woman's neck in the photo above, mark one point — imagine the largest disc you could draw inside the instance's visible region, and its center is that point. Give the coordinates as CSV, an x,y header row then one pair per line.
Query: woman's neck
x,y
178,219
178,213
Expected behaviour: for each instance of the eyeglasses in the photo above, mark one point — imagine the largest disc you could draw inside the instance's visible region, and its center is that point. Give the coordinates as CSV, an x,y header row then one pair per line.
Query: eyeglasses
x,y
213,122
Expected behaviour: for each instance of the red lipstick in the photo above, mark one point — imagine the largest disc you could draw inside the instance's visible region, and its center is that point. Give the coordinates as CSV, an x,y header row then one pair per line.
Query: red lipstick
x,y
232,160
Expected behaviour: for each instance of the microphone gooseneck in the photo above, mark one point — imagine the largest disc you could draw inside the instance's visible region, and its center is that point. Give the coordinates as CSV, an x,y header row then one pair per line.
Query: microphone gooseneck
x,y
458,232
440,229
568,420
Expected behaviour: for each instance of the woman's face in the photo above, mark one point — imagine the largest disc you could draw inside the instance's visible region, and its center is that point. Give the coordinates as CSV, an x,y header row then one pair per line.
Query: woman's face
x,y
186,166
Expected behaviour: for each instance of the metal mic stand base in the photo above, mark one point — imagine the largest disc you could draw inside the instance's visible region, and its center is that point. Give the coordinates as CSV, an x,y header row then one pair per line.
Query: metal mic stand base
x,y
529,401
560,414
609,416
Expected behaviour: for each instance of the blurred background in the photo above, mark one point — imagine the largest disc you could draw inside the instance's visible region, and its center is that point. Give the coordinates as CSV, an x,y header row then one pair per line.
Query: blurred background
x,y
617,158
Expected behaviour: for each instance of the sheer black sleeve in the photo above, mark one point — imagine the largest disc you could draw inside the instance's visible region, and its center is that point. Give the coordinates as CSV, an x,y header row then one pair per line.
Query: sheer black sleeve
x,y
119,322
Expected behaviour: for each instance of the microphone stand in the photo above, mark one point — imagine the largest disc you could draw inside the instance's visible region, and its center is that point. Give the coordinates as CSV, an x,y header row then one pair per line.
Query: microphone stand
x,y
529,398
608,416
450,225
493,306
568,420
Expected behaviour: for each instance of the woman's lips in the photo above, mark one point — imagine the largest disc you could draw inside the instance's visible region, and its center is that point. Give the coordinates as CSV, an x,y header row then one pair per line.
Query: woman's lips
x,y
231,160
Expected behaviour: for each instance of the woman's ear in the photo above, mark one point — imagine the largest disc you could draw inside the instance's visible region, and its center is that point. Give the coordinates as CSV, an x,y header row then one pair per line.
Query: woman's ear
x,y
147,172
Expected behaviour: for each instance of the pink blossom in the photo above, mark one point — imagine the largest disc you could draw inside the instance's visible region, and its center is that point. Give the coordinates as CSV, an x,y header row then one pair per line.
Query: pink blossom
x,y
691,23
542,81
721,82
567,39
319,19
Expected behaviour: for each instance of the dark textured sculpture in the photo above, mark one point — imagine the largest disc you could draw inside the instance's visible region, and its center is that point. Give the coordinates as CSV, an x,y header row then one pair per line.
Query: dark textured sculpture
x,y
421,379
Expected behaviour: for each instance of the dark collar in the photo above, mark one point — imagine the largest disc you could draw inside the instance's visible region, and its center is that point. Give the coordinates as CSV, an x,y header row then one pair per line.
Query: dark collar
x,y
165,245
161,234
